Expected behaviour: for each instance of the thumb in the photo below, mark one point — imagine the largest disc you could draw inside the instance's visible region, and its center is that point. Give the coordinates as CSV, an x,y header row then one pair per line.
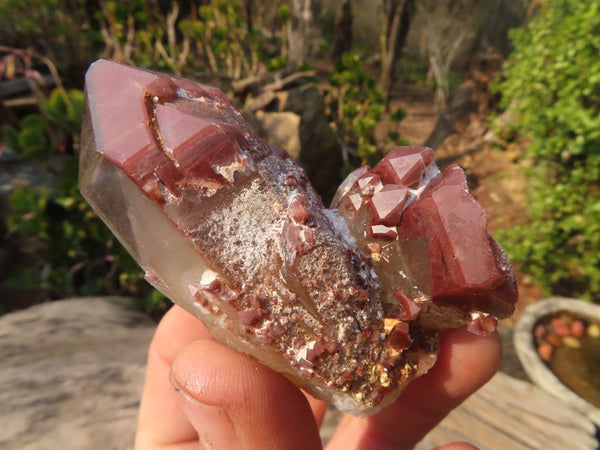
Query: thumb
x,y
233,402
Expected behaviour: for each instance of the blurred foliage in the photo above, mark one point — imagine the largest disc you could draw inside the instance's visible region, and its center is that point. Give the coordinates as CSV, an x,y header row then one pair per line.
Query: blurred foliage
x,y
62,30
410,72
41,135
553,87
212,37
355,105
67,250
223,39
32,140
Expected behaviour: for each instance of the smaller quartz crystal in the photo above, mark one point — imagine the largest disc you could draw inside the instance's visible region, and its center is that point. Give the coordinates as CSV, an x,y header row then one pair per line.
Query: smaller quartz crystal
x,y
346,302
432,229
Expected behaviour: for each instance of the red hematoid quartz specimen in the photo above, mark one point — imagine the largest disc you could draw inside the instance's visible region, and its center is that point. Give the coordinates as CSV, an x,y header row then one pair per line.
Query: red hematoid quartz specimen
x,y
346,302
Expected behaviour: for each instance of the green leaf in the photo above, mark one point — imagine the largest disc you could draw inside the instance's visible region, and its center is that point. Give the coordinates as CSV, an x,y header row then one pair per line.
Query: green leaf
x,y
34,143
551,88
11,136
398,115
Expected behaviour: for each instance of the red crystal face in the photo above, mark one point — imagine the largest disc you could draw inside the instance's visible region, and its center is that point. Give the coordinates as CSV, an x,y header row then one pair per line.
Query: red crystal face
x,y
155,128
404,165
388,203
463,263
431,217
110,90
347,302
193,143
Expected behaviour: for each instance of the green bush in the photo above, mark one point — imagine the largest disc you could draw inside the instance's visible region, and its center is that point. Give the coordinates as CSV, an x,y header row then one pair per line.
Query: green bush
x,y
68,249
32,140
553,85
75,254
222,40
64,32
41,135
355,105
65,249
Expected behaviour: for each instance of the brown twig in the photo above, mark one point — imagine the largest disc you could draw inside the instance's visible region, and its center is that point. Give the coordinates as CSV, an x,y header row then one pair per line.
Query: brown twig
x,y
28,54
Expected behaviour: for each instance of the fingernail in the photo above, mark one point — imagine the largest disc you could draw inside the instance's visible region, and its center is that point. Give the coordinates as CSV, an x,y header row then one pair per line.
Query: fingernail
x,y
212,423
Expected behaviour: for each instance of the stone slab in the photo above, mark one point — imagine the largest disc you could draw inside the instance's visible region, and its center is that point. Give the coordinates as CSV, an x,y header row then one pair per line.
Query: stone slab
x,y
71,374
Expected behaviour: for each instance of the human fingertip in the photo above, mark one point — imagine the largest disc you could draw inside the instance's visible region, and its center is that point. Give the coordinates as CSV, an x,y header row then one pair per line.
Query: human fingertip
x,y
467,359
212,423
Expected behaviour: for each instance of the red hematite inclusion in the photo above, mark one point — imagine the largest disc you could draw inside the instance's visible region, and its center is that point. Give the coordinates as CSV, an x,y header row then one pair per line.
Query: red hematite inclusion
x,y
404,165
387,204
151,127
345,302
465,261
419,211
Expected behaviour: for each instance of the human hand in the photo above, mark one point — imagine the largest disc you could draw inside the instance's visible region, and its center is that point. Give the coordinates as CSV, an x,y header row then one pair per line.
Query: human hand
x,y
201,394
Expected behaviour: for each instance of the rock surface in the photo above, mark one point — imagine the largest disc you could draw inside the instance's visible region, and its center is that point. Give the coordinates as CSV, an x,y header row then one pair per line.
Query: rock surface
x,y
295,120
320,150
72,374
283,129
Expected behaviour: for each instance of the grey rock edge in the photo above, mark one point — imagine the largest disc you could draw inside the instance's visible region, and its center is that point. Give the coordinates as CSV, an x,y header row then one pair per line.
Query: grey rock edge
x,y
534,366
72,374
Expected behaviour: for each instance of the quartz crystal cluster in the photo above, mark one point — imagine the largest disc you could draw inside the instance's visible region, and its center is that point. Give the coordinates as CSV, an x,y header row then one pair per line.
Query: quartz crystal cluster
x,y
346,302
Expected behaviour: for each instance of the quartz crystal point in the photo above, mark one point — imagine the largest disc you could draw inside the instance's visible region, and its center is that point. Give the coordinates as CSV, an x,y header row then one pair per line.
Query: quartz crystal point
x,y
346,303
428,242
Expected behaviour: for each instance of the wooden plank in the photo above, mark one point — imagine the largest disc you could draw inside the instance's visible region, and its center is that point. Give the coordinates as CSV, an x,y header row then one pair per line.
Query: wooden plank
x,y
511,414
507,413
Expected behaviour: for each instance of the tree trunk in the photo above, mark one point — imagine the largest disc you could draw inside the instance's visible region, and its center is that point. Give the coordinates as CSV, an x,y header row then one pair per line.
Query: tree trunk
x,y
248,8
303,32
460,106
342,34
397,24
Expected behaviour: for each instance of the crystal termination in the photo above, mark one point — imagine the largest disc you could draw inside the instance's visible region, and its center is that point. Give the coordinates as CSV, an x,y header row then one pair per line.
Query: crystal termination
x,y
346,302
